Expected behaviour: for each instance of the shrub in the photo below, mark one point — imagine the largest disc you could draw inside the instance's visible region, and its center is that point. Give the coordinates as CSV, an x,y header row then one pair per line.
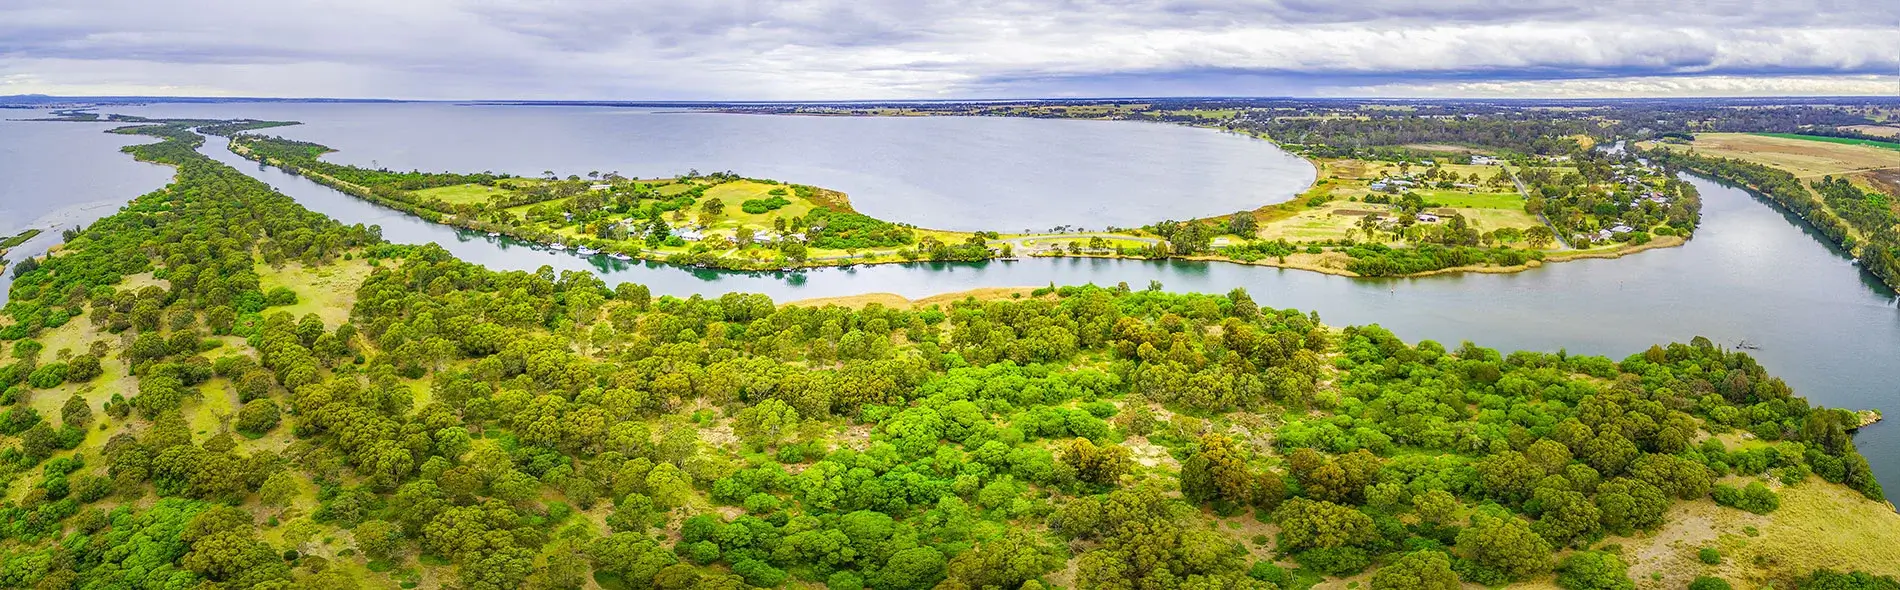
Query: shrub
x,y
1755,498
1594,570
1709,583
1709,555
48,376
257,417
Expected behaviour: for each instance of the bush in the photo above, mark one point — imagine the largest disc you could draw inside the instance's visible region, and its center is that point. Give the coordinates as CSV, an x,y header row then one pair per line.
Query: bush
x,y
1755,498
1594,570
1709,555
1334,561
84,368
1826,579
280,296
1709,583
258,417
48,376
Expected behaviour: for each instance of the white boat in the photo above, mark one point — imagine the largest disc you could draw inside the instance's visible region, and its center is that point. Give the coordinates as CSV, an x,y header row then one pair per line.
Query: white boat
x,y
558,246
618,256
584,251
494,234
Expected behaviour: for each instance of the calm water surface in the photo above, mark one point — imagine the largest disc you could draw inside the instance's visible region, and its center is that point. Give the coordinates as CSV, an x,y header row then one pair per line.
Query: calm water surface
x,y
961,173
61,175
1750,273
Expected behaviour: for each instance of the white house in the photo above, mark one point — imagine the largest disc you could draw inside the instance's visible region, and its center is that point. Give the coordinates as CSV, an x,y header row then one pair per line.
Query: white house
x,y
1428,218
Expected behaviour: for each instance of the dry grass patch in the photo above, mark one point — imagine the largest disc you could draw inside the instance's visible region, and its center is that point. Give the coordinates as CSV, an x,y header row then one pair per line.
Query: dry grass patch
x,y
1804,158
328,291
895,301
1819,525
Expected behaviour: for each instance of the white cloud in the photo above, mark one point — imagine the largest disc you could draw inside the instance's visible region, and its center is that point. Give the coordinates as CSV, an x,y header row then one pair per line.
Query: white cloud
x,y
843,49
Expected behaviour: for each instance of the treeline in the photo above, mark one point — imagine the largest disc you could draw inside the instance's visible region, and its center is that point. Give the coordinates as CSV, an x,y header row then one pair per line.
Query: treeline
x,y
1380,260
1877,249
295,156
1532,133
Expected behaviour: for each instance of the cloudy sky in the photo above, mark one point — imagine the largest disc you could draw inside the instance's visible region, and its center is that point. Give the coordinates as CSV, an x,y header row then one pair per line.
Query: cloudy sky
x,y
939,49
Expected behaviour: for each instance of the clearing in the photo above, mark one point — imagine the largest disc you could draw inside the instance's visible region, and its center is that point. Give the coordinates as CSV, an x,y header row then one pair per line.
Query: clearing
x,y
895,301
461,194
1818,525
328,291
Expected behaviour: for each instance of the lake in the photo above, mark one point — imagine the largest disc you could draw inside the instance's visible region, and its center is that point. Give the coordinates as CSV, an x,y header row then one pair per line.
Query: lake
x,y
1750,273
957,173
61,175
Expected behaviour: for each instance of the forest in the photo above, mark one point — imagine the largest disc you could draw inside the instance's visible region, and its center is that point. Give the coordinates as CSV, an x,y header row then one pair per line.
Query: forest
x,y
478,429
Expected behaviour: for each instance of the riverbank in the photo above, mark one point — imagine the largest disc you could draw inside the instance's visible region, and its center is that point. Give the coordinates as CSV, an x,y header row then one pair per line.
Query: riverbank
x,y
1334,191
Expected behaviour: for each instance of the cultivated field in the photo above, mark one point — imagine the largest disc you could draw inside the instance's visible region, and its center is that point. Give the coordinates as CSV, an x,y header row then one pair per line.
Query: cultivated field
x,y
1878,130
1803,157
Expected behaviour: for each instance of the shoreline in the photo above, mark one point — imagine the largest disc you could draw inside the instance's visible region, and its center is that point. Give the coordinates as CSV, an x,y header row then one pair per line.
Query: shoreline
x,y
895,256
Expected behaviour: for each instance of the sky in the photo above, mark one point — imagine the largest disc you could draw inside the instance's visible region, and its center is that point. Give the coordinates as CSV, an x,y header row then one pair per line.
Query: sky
x,y
947,49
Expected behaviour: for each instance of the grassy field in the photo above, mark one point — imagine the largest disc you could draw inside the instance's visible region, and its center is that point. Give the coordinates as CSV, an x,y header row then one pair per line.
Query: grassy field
x,y
1840,140
328,291
1818,525
1804,158
462,194
1878,130
895,301
1473,200
733,194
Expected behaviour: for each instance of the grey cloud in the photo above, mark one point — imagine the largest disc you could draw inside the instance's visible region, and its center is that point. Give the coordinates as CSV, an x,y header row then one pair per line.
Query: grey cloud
x,y
740,49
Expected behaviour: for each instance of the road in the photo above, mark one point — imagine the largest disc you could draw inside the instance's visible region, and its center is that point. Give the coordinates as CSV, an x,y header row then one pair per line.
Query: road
x,y
1526,193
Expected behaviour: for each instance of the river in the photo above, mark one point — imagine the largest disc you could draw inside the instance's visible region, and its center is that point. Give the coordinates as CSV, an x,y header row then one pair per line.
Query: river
x,y
1750,273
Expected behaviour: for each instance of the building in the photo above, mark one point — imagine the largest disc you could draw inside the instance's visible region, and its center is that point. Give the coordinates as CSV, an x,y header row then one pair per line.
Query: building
x,y
1428,218
1484,161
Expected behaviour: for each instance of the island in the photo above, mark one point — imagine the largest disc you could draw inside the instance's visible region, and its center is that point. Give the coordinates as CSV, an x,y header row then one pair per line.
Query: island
x,y
1388,212
216,387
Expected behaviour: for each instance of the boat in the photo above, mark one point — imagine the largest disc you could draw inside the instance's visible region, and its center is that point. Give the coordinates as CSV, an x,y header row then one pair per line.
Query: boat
x,y
558,246
494,234
619,256
584,251
1746,345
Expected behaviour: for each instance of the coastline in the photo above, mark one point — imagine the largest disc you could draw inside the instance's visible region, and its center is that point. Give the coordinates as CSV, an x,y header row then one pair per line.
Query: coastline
x,y
840,201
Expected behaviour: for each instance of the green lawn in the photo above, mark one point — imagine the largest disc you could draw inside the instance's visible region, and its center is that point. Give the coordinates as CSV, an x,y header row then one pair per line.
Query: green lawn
x,y
735,194
461,194
1840,140
1461,199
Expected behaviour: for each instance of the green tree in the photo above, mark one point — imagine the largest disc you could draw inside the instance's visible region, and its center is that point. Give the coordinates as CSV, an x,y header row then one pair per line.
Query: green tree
x,y
1505,544
1594,570
1418,570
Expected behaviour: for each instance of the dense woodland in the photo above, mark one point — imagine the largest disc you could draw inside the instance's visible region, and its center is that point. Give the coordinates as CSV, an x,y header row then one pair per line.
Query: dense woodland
x,y
483,429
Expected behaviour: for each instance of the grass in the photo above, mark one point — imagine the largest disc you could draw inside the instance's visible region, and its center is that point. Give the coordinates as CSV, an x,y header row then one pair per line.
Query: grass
x,y
462,194
734,194
1818,525
1802,157
1840,140
1473,200
19,238
895,301
328,291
